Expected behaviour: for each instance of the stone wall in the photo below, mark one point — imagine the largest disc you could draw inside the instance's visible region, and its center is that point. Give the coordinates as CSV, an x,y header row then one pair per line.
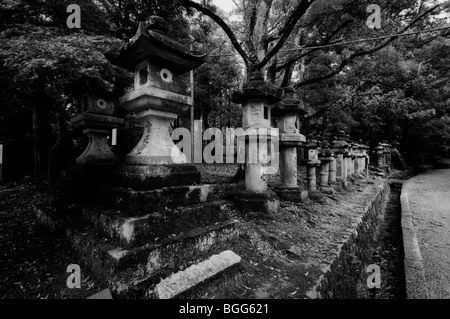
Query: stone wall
x,y
341,277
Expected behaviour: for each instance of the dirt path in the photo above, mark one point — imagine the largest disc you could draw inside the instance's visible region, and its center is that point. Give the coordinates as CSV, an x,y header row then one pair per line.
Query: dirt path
x,y
429,197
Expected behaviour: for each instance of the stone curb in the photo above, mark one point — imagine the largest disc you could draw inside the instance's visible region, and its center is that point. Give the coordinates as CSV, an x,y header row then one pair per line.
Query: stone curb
x,y
194,275
413,263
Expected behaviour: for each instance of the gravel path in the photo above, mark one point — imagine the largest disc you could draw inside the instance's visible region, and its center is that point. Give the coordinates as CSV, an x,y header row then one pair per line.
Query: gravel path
x,y
429,197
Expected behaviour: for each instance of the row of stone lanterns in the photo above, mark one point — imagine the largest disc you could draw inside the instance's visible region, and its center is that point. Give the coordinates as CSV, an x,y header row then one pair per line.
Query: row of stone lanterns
x,y
337,163
160,95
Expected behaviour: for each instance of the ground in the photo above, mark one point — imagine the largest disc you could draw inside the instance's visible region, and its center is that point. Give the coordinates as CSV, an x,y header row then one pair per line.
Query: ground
x,y
282,256
429,198
33,262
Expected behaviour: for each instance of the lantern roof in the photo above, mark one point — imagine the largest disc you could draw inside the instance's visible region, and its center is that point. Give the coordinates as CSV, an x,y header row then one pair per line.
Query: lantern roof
x,y
152,41
290,104
325,150
311,142
258,89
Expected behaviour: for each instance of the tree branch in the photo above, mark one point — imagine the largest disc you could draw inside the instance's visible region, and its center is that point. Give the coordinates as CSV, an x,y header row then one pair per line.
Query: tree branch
x,y
301,55
355,55
286,30
221,23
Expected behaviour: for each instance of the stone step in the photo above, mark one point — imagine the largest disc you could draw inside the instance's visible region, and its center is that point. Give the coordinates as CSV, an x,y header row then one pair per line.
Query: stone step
x,y
130,272
148,177
131,231
183,281
138,203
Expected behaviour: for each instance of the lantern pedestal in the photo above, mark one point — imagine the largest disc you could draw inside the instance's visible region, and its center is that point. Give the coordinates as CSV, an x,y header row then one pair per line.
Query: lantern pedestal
x,y
333,170
97,128
289,189
311,174
289,111
156,146
292,194
324,171
155,161
150,177
266,202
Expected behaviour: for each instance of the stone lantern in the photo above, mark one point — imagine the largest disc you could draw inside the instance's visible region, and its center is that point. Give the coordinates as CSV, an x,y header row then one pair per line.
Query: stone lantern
x,y
161,92
388,148
312,163
348,158
333,165
360,157
96,120
257,97
326,155
364,159
339,147
380,155
396,157
288,112
355,153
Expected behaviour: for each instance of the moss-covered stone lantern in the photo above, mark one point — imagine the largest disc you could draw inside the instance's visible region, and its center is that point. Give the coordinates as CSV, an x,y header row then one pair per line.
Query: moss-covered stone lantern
x,y
339,147
96,119
313,162
161,89
326,155
257,97
288,111
161,92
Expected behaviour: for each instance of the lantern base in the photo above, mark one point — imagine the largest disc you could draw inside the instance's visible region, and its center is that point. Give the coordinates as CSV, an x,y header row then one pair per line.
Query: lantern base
x,y
97,128
266,202
148,177
156,146
292,194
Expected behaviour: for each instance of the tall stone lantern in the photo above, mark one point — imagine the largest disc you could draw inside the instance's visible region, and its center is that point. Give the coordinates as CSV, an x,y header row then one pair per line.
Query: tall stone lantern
x,y
96,120
257,97
326,155
339,147
364,158
355,158
312,152
288,111
348,157
396,157
388,151
333,164
380,155
161,92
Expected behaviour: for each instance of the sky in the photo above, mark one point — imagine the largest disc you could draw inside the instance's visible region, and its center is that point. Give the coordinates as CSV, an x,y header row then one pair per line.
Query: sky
x,y
225,5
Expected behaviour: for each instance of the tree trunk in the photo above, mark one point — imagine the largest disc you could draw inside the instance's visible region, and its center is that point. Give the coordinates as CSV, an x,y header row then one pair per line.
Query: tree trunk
x,y
41,135
256,17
